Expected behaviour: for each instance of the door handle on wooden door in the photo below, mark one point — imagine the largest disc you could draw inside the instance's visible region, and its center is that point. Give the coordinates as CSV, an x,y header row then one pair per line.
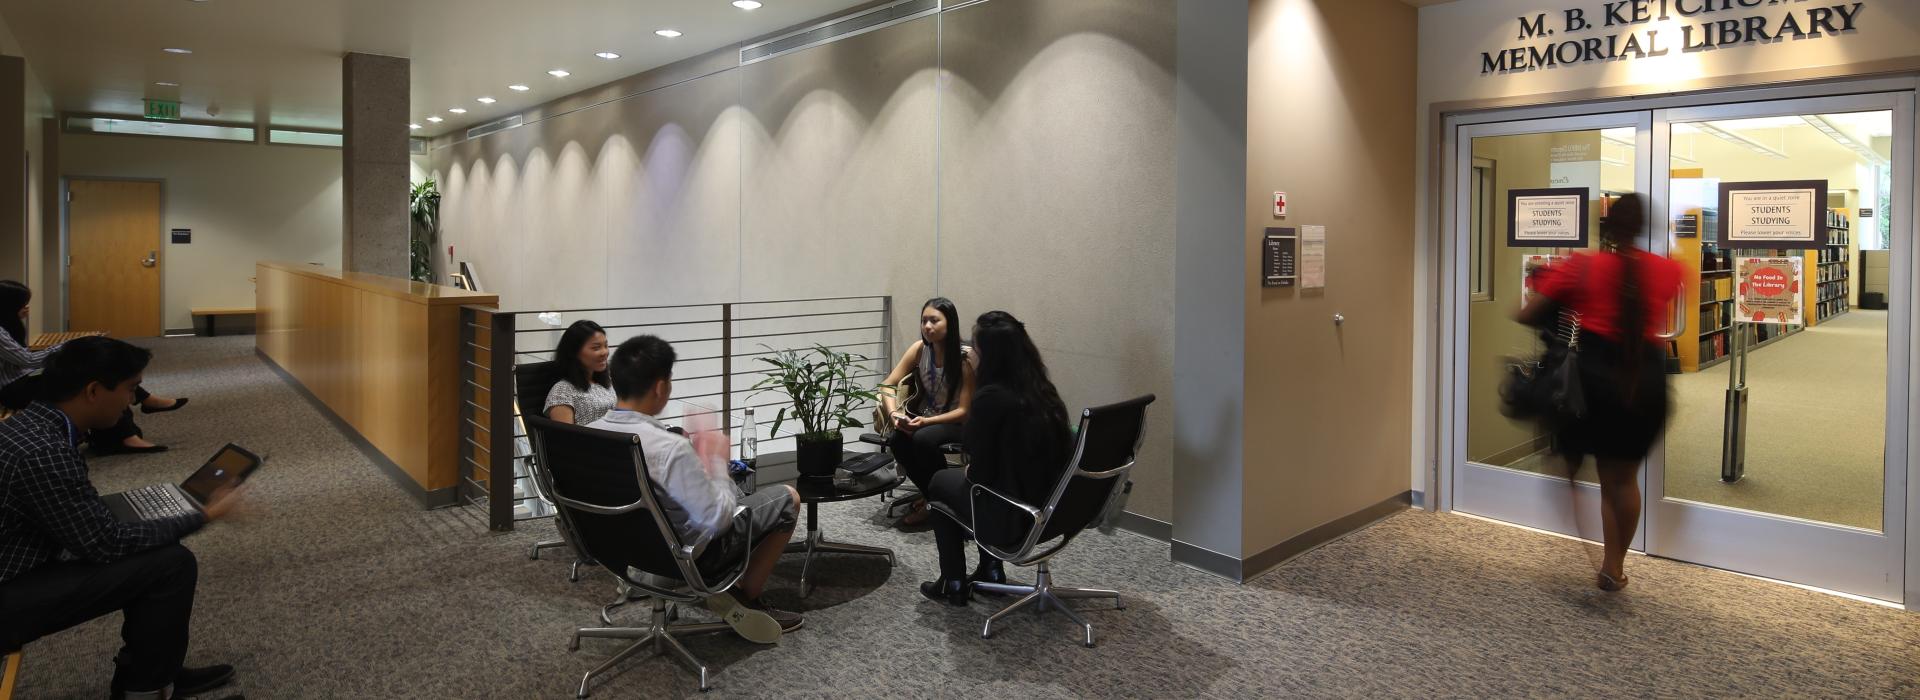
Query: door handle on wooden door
x,y
153,257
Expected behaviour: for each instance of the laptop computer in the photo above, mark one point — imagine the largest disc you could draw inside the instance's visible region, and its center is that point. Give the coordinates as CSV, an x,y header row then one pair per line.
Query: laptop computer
x,y
228,467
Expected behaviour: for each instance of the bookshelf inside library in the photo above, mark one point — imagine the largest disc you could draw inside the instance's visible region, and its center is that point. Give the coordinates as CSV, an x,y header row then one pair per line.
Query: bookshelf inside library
x,y
1708,281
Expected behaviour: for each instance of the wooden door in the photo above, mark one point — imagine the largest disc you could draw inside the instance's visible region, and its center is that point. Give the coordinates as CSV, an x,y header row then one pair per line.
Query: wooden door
x,y
113,273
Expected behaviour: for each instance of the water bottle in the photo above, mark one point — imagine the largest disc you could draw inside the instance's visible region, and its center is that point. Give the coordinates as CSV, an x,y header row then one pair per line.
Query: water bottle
x,y
749,440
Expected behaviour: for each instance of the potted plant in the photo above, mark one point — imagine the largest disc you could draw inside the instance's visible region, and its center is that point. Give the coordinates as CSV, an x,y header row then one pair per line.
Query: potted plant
x,y
825,398
424,203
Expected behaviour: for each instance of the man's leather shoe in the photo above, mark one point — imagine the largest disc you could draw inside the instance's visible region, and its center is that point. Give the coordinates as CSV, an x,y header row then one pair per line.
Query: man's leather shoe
x,y
194,681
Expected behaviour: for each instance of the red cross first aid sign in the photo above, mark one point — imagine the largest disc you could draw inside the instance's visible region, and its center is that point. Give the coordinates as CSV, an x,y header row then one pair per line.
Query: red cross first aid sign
x,y
1279,204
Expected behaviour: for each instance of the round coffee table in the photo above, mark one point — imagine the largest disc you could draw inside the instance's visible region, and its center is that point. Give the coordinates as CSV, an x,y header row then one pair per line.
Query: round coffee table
x,y
778,468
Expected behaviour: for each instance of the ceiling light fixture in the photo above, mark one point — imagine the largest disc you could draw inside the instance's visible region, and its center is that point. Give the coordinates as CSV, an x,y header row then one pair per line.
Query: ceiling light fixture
x,y
164,83
668,33
457,110
518,88
746,4
485,100
435,119
178,50
557,73
609,55
413,126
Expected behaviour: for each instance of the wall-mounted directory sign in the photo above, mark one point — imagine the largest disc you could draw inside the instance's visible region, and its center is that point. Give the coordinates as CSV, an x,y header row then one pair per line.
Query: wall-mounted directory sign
x,y
1278,265
1767,290
1776,214
1547,218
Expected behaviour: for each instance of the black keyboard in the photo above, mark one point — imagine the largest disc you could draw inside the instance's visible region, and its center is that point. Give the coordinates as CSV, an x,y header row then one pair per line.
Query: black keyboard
x,y
865,464
157,503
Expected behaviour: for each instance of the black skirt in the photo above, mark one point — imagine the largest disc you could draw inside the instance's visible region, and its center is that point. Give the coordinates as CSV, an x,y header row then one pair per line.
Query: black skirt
x,y
1627,402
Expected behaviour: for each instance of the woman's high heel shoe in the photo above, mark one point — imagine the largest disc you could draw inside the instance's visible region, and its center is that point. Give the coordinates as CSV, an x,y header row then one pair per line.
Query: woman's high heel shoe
x,y
1609,583
954,592
178,404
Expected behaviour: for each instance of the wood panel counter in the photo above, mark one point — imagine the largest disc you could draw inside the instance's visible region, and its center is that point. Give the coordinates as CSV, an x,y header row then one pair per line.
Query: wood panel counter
x,y
381,354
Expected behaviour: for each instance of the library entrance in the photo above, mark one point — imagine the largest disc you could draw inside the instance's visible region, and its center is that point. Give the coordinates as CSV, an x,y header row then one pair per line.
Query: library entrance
x,y
1788,344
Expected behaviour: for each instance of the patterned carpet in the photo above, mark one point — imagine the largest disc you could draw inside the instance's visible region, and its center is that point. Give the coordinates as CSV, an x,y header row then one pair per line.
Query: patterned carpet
x,y
336,585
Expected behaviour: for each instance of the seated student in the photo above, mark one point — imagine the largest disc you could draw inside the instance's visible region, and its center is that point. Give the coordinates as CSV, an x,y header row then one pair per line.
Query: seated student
x,y
933,416
18,385
64,559
1017,442
702,498
584,392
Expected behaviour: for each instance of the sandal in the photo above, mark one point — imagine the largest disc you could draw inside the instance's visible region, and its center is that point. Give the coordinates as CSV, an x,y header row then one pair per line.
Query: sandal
x,y
1609,583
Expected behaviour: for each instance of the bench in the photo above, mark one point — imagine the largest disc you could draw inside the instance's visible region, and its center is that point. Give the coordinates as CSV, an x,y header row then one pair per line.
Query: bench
x,y
47,340
214,312
9,674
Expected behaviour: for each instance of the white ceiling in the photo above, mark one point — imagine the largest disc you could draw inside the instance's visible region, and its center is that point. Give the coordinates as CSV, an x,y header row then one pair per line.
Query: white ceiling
x,y
278,61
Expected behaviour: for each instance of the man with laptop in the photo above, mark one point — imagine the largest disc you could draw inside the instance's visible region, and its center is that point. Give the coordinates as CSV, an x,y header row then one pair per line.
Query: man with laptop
x,y
65,558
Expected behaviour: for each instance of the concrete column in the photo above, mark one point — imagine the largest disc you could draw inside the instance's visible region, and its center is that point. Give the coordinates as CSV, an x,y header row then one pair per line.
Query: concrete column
x,y
1210,274
13,168
374,164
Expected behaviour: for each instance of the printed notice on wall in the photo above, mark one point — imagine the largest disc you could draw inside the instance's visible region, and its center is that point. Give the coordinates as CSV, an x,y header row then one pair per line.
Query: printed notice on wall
x,y
1547,218
1529,266
1778,214
1313,257
1767,290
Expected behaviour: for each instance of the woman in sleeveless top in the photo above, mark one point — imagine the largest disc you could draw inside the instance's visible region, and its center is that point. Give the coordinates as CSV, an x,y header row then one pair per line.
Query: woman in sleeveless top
x,y
938,406
1621,295
585,391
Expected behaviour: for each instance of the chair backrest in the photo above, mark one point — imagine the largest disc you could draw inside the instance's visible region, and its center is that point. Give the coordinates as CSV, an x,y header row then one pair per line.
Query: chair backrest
x,y
616,516
1103,454
530,386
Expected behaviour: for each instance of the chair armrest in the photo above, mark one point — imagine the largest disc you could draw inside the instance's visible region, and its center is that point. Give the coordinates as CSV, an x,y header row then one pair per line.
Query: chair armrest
x,y
953,448
983,488
873,439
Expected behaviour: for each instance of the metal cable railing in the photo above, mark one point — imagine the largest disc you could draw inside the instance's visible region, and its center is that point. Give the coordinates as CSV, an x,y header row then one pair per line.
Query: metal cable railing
x,y
719,348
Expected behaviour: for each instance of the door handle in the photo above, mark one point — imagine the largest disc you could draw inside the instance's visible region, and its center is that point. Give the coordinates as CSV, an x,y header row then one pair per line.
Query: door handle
x,y
153,257
1679,323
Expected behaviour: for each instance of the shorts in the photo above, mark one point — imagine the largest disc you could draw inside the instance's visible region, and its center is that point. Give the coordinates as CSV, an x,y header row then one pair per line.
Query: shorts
x,y
767,510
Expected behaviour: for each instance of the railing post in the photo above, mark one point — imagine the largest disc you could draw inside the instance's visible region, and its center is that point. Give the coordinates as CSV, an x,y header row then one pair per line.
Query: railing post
x,y
726,368
501,476
886,338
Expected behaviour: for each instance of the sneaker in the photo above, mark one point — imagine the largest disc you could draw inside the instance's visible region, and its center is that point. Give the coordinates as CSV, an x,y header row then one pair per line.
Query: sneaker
x,y
752,625
789,621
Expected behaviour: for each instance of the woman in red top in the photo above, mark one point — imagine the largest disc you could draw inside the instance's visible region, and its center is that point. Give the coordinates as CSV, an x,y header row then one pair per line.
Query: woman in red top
x,y
1621,295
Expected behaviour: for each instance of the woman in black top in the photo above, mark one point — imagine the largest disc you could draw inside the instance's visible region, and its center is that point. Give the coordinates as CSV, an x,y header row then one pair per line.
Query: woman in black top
x,y
1017,443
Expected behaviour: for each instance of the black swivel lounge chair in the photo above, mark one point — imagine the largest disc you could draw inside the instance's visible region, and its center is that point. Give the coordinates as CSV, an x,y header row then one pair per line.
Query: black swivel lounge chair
x,y
1103,455
530,385
618,522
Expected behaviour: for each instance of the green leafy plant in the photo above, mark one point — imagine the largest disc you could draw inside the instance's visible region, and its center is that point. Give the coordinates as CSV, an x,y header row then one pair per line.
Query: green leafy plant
x,y
424,205
820,382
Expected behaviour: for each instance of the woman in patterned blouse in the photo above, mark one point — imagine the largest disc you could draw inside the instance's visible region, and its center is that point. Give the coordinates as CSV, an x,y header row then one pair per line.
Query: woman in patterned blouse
x,y
584,392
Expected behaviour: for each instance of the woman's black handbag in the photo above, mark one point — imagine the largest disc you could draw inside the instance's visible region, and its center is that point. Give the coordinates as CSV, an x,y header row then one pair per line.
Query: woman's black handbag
x,y
1548,388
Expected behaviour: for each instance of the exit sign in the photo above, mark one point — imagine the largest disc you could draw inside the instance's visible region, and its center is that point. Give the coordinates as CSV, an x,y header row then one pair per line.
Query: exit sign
x,y
163,109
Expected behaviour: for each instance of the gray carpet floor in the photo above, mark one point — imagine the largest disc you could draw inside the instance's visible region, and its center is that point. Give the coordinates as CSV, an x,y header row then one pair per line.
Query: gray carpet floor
x,y
337,585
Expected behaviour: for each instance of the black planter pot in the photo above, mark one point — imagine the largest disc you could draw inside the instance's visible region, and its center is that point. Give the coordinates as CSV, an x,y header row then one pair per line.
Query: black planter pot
x,y
818,455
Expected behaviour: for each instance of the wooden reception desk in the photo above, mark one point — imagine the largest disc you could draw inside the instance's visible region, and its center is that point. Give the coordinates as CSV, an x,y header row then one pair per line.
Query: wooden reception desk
x,y
382,354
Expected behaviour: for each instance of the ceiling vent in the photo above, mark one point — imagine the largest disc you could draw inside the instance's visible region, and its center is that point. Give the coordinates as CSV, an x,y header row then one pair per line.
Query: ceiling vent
x,y
417,147
840,28
493,126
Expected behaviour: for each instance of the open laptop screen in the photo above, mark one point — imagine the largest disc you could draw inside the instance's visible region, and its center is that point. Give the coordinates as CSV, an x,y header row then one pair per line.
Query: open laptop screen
x,y
231,465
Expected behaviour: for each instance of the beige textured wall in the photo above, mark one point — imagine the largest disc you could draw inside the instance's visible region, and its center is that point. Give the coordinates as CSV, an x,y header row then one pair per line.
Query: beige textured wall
x,y
1330,102
1013,155
1057,189
244,202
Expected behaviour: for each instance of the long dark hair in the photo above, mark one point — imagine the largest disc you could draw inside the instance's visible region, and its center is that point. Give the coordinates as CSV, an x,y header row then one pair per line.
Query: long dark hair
x,y
14,297
1623,223
567,355
955,368
1009,360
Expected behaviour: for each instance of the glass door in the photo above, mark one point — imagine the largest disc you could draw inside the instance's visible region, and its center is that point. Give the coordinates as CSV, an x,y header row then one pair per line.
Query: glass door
x,y
1781,459
1503,468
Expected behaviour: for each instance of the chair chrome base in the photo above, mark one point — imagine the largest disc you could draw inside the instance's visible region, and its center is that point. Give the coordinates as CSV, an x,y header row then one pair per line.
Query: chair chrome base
x,y
1046,595
658,636
573,572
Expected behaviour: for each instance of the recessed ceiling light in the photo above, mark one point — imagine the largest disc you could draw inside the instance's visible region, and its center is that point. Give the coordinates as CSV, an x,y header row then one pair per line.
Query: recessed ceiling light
x,y
609,55
557,73
413,126
434,119
164,83
457,110
668,33
485,100
746,4
177,50
518,88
